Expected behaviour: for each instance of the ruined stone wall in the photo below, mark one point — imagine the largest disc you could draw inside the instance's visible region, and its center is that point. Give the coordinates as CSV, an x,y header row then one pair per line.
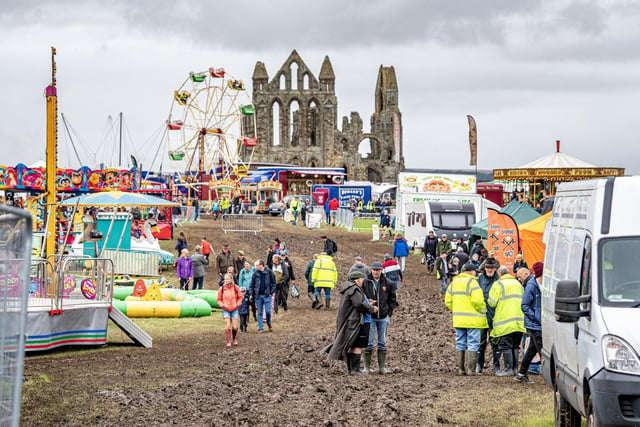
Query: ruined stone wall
x,y
307,122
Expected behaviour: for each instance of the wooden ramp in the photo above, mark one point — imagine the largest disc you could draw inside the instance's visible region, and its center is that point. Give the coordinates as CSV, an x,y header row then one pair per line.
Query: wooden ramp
x,y
132,330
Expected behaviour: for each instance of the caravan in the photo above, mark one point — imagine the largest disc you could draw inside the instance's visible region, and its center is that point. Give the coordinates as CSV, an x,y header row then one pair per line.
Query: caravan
x,y
591,303
444,213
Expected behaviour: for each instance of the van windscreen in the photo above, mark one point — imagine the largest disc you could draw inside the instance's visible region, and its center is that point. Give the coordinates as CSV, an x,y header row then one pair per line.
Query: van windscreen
x,y
619,259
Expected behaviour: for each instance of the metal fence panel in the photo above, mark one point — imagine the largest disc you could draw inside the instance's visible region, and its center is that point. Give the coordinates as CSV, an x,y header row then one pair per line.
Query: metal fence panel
x,y
134,263
15,258
242,223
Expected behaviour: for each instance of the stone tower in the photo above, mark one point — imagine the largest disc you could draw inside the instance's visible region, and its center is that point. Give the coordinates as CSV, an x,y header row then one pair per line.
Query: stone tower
x,y
297,122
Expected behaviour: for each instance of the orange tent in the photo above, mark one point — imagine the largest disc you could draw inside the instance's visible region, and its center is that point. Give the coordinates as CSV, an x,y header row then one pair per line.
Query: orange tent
x,y
531,239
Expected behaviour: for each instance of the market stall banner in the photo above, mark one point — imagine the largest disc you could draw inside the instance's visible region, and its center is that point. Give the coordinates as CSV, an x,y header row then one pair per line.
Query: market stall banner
x,y
436,183
22,177
502,237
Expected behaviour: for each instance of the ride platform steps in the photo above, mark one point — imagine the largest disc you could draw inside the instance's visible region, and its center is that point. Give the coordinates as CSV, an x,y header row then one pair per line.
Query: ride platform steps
x,y
132,330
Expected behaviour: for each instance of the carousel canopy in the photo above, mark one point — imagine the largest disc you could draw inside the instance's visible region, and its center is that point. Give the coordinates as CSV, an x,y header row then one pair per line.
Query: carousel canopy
x,y
555,167
117,198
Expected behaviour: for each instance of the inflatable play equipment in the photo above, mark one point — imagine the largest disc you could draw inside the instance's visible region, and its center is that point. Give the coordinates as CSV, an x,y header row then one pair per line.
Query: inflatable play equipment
x,y
207,295
138,301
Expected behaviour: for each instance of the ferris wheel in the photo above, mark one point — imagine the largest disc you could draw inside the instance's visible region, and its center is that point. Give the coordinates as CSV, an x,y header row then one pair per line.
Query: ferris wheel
x,y
211,126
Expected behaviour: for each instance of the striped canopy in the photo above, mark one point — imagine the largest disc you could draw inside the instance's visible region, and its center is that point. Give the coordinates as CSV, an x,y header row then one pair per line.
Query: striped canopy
x,y
117,198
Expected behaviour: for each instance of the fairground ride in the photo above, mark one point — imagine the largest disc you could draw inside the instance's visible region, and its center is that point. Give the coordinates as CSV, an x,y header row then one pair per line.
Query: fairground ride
x,y
211,132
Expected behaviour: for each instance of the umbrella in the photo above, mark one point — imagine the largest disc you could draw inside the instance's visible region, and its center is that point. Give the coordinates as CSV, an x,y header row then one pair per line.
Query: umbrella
x,y
117,198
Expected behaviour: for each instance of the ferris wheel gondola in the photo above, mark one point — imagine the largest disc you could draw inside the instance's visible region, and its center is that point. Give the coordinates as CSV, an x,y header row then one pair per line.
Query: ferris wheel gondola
x,y
211,126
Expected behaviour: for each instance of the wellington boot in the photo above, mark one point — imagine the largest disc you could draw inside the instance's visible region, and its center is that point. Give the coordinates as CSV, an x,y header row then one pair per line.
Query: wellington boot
x,y
382,361
227,334
355,364
507,356
327,304
311,296
472,362
367,360
460,356
318,302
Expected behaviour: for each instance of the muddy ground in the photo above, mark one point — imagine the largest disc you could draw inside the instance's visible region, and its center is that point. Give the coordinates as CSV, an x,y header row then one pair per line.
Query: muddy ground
x,y
279,378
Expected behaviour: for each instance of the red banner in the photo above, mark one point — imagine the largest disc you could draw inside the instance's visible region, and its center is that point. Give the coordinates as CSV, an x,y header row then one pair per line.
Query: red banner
x,y
502,237
473,141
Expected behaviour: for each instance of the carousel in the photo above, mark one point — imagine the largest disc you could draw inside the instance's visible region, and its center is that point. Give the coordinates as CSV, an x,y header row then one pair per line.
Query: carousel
x,y
538,179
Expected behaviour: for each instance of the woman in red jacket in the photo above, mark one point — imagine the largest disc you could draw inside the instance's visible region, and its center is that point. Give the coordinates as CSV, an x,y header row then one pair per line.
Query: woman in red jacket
x,y
229,299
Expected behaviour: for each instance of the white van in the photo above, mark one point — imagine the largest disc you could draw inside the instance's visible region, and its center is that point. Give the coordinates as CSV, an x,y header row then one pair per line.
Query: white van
x,y
591,302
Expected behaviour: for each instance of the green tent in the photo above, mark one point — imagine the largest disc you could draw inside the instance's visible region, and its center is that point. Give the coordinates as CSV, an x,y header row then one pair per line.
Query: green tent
x,y
520,212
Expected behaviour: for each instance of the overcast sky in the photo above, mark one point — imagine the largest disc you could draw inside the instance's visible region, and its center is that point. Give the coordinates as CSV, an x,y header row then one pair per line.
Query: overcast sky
x,y
530,72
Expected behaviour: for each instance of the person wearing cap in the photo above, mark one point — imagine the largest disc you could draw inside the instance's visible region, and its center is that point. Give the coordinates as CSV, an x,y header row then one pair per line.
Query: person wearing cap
x,y
444,245
360,266
532,309
382,292
465,300
485,280
352,324
243,311
324,276
224,260
238,262
392,271
508,321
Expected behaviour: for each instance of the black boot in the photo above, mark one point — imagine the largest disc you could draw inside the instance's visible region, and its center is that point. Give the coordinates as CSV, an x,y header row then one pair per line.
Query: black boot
x,y
355,363
327,305
318,302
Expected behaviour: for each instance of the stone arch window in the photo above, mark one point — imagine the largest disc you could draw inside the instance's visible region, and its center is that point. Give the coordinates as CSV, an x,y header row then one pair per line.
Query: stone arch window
x,y
275,123
369,147
314,123
389,155
373,175
294,69
282,82
294,123
313,163
305,81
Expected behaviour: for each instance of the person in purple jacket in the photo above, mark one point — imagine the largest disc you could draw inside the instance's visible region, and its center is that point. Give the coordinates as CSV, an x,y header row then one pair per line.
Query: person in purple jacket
x,y
184,269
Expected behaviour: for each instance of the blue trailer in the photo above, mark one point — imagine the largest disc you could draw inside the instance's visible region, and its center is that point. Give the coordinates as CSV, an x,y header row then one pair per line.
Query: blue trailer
x,y
346,193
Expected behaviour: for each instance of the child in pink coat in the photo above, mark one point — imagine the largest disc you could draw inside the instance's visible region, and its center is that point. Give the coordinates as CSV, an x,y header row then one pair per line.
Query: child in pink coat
x,y
230,299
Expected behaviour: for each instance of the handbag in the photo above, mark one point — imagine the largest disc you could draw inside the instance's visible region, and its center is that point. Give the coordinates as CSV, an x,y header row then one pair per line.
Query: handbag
x,y
294,291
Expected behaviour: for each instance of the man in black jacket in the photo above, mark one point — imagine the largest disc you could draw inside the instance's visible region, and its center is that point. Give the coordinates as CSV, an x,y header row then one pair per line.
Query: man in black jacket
x,y
382,295
261,290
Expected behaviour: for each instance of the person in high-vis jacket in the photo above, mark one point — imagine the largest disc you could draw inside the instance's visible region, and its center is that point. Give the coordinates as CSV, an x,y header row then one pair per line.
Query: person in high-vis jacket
x,y
508,321
324,276
465,299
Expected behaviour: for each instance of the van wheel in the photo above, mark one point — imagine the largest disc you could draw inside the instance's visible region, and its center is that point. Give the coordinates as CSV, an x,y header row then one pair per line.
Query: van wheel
x,y
592,419
565,415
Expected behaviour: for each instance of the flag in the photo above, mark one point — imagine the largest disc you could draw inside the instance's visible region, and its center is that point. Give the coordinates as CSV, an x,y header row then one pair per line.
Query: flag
x,y
473,141
502,237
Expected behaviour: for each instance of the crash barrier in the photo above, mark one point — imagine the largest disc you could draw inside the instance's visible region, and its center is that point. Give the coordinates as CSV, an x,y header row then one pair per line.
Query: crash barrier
x,y
15,255
242,223
83,280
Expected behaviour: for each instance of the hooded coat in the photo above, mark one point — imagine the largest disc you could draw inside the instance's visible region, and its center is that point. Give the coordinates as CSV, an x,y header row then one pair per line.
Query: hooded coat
x,y
352,306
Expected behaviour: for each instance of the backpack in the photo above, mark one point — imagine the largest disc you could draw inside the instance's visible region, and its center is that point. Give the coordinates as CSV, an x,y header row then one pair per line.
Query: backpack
x,y
335,246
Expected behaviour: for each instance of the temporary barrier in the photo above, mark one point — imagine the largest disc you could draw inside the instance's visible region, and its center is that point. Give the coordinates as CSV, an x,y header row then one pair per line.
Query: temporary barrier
x,y
15,254
135,263
242,223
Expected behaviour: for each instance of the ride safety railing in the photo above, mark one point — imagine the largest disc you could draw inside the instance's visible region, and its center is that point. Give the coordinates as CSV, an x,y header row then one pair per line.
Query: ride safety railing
x,y
245,223
15,255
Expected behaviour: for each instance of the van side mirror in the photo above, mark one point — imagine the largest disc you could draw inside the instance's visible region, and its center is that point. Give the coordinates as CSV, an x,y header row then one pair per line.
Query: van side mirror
x,y
568,300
